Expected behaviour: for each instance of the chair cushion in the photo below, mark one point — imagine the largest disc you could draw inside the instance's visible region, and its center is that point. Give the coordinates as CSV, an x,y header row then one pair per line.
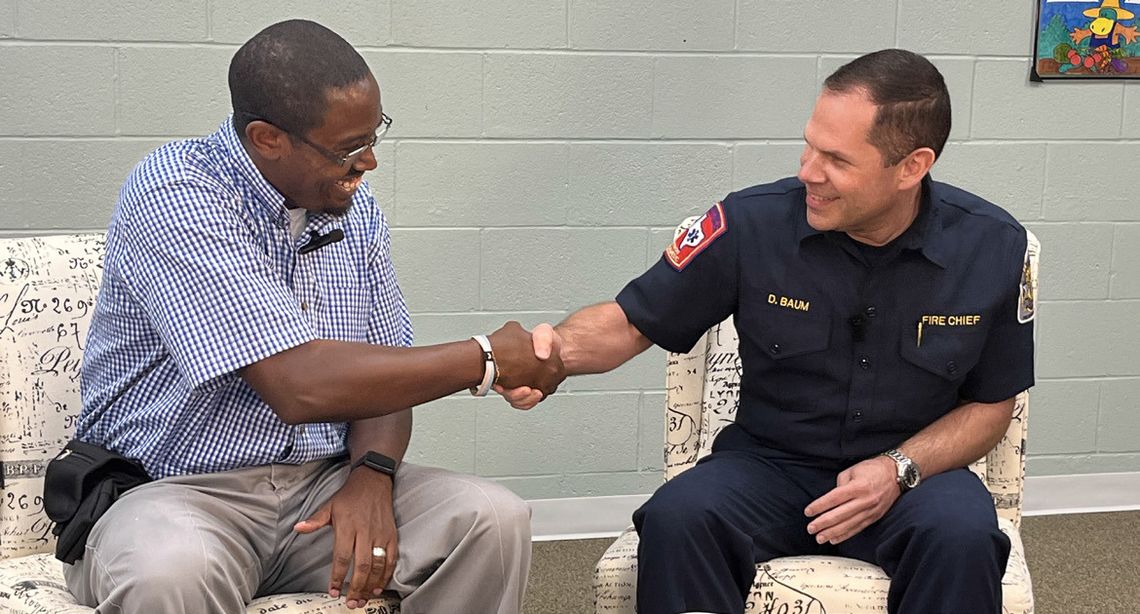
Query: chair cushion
x,y
34,584
804,584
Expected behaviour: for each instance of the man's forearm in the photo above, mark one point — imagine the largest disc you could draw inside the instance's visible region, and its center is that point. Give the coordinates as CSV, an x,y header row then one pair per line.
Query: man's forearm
x,y
388,435
599,338
337,381
960,437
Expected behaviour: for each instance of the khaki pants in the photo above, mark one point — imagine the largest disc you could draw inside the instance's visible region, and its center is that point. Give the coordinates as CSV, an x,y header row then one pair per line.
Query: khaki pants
x,y
210,543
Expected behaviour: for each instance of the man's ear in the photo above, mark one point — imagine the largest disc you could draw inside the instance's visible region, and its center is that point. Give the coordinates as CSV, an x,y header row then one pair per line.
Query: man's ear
x,y
914,167
267,140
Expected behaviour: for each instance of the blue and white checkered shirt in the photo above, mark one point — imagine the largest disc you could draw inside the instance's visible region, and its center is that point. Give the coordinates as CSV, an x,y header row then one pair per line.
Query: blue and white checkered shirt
x,y
201,278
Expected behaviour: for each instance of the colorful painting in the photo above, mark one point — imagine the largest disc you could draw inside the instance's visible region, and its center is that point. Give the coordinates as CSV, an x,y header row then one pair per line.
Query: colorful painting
x,y
1086,39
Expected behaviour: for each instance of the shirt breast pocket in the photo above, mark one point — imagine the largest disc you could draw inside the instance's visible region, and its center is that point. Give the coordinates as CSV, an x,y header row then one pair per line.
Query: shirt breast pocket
x,y
785,337
795,345
946,352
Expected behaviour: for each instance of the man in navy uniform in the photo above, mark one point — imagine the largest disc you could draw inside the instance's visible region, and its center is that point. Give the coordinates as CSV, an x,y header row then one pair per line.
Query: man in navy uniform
x,y
883,340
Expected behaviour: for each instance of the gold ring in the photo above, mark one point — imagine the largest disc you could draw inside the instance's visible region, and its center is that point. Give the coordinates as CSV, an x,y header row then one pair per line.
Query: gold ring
x,y
379,553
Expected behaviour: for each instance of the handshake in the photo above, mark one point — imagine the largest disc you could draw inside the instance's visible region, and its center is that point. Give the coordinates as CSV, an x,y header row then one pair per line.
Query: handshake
x,y
528,364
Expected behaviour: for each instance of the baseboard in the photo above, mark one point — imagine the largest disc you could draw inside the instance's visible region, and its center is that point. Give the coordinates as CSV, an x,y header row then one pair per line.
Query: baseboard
x,y
1082,493
582,517
592,517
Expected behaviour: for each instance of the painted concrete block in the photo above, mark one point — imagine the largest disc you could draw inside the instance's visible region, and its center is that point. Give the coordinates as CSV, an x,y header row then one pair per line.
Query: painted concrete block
x,y
969,27
1071,193
1088,338
549,269
628,184
125,20
786,26
1063,416
583,433
732,97
545,95
1125,279
683,25
360,22
438,268
75,98
40,188
430,94
540,24
1075,260
481,184
1118,429
1007,106
158,95
1008,174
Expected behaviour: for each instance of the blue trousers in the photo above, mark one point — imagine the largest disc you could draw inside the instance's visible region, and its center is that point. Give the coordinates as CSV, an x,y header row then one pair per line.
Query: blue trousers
x,y
702,533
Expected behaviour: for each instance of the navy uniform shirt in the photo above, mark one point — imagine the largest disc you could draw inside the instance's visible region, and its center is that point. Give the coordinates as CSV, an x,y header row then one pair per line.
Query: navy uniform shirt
x,y
847,349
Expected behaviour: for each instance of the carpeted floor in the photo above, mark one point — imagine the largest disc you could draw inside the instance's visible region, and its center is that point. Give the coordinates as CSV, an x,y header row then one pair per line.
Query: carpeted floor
x,y
1080,564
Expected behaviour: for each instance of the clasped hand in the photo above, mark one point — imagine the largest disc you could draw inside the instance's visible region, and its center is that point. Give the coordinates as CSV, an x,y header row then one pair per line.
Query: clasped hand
x,y
520,365
862,495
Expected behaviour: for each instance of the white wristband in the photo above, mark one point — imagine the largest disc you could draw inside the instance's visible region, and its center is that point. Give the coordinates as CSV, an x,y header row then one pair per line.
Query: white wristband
x,y
488,367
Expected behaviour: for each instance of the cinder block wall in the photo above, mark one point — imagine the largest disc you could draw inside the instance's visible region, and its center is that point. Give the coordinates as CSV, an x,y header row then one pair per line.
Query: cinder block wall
x,y
543,150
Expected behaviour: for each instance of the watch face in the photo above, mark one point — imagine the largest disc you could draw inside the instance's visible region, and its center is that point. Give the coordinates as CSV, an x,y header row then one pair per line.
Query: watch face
x,y
379,462
910,476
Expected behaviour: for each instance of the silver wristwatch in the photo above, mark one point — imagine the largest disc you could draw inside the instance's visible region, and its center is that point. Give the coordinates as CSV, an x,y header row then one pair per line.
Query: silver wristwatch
x,y
908,473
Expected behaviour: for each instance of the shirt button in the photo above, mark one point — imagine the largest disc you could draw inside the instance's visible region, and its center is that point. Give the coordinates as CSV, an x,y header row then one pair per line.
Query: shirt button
x,y
951,367
304,306
775,348
871,311
858,415
865,362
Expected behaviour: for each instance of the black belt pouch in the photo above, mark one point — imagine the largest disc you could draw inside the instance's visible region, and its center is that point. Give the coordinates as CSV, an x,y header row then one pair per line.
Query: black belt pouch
x,y
80,484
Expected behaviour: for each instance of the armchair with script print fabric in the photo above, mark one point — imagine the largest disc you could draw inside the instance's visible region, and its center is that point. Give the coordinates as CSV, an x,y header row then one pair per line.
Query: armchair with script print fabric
x,y
702,392
47,296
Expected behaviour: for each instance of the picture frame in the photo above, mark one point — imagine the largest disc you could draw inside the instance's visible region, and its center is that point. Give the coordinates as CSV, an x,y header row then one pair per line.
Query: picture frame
x,y
1086,39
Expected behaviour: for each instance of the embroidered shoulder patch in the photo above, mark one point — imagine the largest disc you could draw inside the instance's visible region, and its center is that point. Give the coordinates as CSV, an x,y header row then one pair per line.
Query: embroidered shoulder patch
x,y
1027,295
698,236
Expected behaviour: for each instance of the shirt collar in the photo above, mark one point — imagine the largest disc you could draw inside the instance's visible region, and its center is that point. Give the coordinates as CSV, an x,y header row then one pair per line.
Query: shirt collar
x,y
267,195
924,234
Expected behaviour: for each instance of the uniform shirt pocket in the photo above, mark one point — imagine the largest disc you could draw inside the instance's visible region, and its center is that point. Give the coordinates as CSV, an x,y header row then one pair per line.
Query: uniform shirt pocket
x,y
792,348
949,352
786,336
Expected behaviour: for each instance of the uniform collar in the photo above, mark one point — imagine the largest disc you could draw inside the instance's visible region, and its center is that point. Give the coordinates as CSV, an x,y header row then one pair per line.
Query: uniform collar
x,y
924,234
267,195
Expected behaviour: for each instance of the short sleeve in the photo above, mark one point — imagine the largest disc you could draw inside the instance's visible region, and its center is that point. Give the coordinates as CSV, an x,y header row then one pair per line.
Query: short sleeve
x,y
388,323
204,282
1006,364
692,287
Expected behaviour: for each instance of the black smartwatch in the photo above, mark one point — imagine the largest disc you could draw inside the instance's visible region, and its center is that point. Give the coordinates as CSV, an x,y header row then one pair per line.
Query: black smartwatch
x,y
377,462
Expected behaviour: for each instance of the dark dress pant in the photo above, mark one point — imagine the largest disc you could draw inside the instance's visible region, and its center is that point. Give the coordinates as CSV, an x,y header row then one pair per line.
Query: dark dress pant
x,y
702,533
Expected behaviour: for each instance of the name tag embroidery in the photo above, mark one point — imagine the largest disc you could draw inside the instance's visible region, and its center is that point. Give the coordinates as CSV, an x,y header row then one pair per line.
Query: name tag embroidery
x,y
789,303
966,319
951,320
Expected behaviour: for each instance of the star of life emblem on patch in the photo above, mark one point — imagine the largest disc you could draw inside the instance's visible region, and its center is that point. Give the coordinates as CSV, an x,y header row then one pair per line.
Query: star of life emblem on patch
x,y
1027,295
698,236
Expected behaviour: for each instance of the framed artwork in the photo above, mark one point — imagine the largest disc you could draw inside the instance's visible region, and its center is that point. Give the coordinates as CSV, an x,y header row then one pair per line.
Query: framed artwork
x,y
1086,39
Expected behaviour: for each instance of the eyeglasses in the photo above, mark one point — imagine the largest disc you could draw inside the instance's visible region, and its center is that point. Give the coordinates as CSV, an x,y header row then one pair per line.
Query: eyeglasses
x,y
338,158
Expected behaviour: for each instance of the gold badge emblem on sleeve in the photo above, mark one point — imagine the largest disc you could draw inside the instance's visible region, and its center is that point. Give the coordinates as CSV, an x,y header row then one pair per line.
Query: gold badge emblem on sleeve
x,y
1027,296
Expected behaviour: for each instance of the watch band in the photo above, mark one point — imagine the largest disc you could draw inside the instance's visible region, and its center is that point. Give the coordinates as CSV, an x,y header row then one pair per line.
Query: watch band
x,y
377,462
489,367
907,473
